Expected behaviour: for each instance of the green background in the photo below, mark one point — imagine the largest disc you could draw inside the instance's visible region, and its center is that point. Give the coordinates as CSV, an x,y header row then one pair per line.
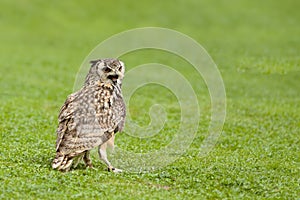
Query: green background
x,y
256,46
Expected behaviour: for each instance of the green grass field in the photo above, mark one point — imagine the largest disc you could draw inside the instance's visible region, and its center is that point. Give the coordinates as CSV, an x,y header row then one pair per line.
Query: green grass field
x,y
256,46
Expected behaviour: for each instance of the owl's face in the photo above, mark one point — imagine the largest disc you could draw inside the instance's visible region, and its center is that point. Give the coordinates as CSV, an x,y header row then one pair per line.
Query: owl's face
x,y
109,70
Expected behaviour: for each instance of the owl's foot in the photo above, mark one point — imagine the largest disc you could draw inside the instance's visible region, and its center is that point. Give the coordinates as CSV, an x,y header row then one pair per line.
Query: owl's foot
x,y
87,160
115,170
90,166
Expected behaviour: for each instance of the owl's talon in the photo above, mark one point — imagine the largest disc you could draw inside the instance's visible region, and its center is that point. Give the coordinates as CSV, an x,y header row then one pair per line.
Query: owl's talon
x,y
115,170
110,169
90,166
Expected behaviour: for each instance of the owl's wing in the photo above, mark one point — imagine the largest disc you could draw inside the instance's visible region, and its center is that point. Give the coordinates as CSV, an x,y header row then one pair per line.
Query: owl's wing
x,y
83,121
65,117
120,113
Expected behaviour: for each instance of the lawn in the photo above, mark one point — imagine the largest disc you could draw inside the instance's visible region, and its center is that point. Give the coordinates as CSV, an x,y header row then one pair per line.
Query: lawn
x,y
255,45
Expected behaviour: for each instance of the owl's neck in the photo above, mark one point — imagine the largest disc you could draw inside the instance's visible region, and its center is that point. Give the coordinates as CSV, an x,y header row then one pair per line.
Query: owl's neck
x,y
90,80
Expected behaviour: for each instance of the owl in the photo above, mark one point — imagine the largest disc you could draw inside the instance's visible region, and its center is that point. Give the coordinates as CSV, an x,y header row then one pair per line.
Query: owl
x,y
91,116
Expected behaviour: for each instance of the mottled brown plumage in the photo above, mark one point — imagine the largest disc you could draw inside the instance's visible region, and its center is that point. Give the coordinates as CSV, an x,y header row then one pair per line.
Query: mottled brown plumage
x,y
91,116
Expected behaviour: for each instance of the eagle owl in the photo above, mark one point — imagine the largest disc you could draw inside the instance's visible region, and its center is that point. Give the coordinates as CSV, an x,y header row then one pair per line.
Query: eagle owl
x,y
91,116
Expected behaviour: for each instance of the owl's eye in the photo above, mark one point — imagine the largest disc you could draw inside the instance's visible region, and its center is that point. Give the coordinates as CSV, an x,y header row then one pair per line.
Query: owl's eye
x,y
106,69
120,68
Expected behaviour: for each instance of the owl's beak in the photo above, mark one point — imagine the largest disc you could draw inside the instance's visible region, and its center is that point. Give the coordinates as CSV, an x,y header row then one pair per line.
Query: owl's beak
x,y
114,78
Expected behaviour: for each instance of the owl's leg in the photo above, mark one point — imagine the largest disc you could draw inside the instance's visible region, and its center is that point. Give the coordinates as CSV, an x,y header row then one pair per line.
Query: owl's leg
x,y
87,160
103,156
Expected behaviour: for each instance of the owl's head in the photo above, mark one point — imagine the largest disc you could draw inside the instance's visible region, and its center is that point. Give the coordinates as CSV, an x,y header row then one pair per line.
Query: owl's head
x,y
106,71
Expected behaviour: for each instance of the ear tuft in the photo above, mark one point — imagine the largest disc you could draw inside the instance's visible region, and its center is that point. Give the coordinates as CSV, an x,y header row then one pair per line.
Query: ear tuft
x,y
93,62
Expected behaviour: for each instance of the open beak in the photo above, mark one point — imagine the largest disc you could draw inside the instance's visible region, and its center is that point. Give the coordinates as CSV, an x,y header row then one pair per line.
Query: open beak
x,y
113,77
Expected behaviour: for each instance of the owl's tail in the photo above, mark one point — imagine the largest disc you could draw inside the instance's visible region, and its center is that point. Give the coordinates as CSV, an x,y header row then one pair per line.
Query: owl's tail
x,y
62,162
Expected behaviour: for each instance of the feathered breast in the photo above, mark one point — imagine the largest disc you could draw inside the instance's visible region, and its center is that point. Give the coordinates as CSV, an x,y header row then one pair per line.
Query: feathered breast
x,y
88,114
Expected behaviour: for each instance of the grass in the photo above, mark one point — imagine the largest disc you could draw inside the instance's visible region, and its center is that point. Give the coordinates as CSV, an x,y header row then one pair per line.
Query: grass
x,y
256,47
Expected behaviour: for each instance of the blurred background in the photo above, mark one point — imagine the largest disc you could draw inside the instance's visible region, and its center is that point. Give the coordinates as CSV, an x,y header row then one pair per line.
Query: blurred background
x,y
255,44
38,38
